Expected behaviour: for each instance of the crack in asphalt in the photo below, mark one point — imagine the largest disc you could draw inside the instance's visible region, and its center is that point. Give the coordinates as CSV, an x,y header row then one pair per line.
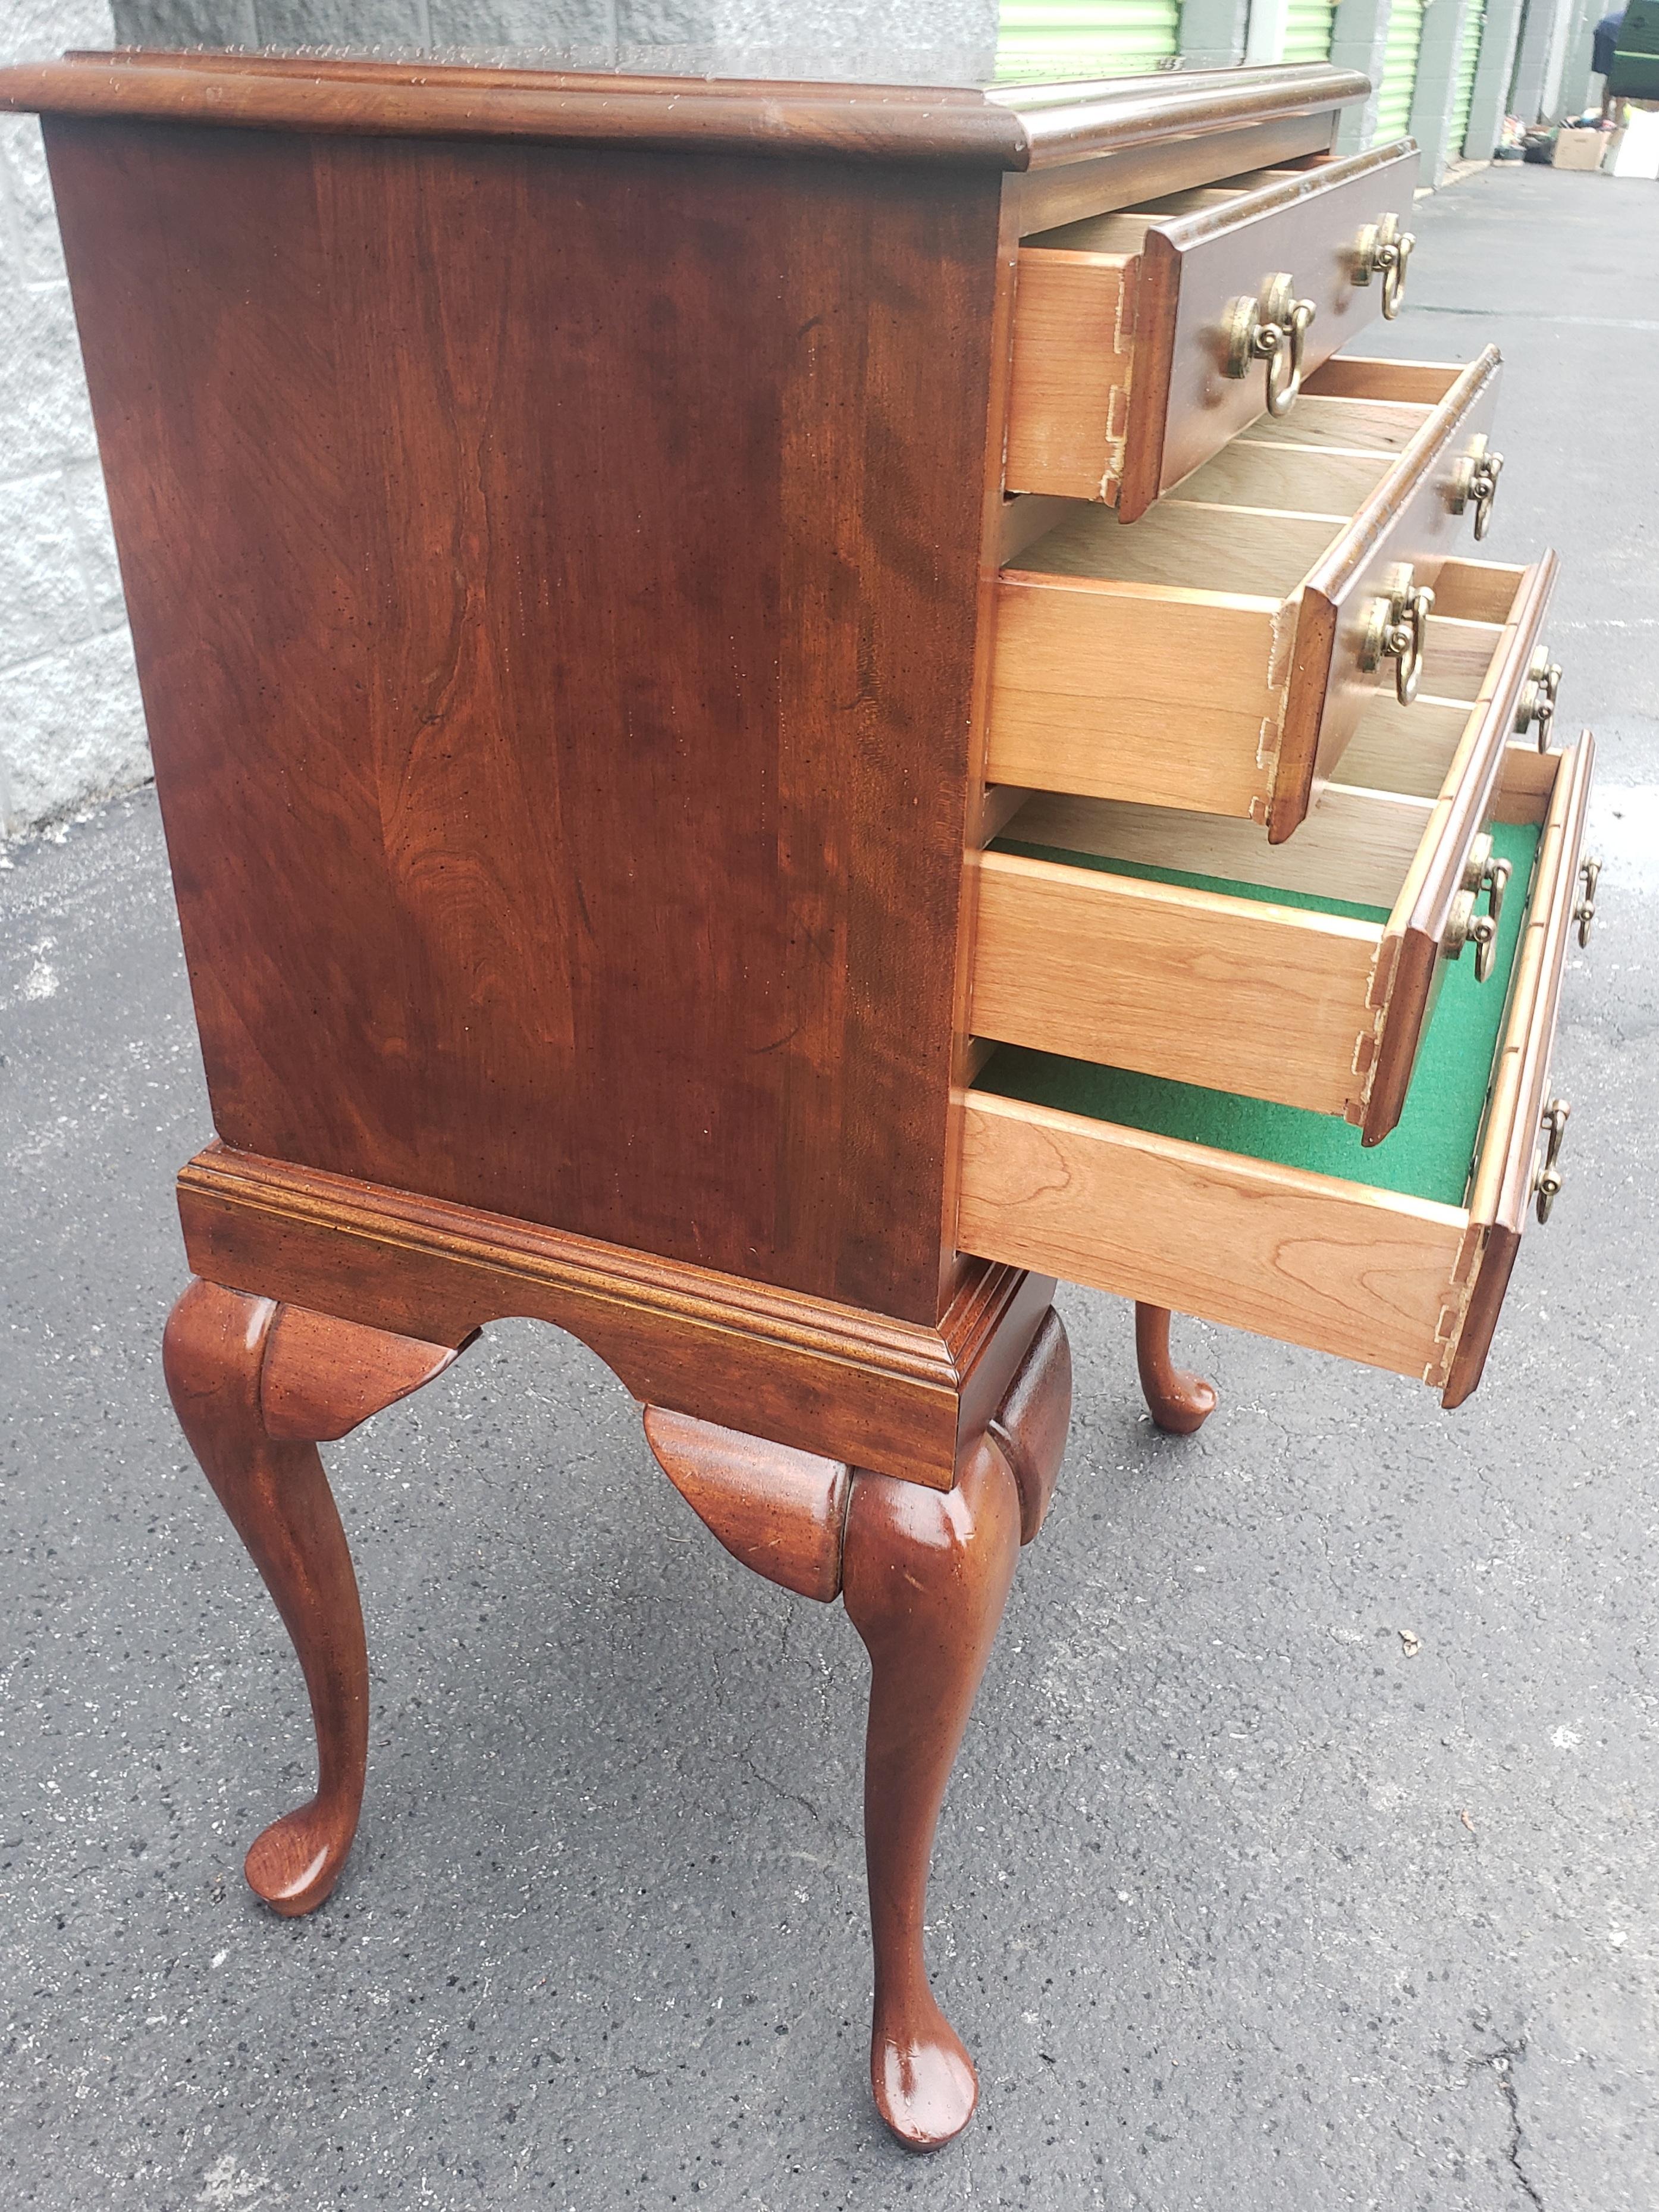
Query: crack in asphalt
x,y
1503,2064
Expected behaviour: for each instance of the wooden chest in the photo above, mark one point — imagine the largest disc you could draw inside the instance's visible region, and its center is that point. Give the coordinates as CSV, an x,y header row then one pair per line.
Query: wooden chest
x,y
784,711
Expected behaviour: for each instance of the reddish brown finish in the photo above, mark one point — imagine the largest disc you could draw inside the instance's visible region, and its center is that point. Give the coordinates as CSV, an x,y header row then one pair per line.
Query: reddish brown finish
x,y
217,1344
779,1511
889,1395
925,1577
1183,405
1499,1249
1020,127
1031,1422
1177,1399
463,941
321,1376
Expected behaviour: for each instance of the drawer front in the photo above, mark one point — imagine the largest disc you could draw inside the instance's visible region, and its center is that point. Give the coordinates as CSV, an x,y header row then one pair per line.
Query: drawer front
x,y
1119,384
1390,1280
1411,961
1517,1146
1183,406
1414,521
1214,656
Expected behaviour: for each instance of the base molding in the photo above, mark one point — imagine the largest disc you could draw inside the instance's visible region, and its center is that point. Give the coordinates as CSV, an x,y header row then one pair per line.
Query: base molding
x,y
897,1397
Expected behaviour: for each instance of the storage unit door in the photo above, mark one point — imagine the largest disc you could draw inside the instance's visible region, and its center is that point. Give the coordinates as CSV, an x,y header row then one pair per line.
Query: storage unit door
x,y
1469,60
1085,38
1308,33
1393,104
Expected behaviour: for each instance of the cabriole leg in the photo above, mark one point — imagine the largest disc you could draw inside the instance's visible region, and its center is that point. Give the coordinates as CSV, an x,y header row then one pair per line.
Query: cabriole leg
x,y
925,1576
255,1386
1178,1401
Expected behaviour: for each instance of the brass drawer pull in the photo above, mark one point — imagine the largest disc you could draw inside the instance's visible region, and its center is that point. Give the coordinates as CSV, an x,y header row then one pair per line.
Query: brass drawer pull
x,y
1483,872
1546,1185
1585,912
1476,478
1273,327
1538,695
1382,248
1395,630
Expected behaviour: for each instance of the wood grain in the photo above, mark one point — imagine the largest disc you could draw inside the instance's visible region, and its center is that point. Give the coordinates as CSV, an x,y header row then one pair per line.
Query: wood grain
x,y
1477,591
1115,692
924,1578
1308,479
1408,749
462,941
1044,198
1501,1194
1218,546
1457,656
322,1377
1118,695
1335,1266
1407,521
1227,993
1352,424
1068,407
1355,845
1183,406
1016,129
1422,914
233,1371
897,1396
1356,376
778,1512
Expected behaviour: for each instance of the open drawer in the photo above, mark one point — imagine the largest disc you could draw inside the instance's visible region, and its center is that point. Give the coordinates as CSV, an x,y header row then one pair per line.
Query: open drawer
x,y
1138,346
1279,1222
1185,945
1219,654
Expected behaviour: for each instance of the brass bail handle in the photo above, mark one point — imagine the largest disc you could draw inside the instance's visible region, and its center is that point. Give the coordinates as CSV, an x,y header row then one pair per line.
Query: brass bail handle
x,y
1589,874
1475,478
1397,629
1547,1184
1383,249
1538,697
1484,871
1273,327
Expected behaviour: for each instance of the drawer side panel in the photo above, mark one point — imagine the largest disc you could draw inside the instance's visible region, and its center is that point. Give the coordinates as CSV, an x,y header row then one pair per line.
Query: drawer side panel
x,y
1340,1268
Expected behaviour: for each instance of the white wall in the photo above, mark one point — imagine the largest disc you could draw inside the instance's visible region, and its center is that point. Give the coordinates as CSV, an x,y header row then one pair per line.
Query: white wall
x,y
71,727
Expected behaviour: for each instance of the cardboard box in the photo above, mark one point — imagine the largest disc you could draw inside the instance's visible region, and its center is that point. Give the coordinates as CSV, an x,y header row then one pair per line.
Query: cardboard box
x,y
1580,150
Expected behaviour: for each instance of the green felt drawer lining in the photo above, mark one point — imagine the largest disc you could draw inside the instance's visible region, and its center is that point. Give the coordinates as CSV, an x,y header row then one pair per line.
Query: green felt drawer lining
x,y
1429,1155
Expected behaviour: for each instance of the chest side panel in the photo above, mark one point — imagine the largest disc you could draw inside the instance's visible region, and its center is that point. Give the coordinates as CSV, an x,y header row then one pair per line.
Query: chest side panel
x,y
552,571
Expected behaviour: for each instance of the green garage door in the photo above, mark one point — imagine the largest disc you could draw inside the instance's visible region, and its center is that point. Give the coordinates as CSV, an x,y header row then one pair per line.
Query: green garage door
x,y
1308,30
1469,60
1085,38
1393,104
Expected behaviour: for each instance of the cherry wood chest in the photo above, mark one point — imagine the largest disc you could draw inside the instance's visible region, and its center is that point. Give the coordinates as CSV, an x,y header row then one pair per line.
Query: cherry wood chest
x,y
783,712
